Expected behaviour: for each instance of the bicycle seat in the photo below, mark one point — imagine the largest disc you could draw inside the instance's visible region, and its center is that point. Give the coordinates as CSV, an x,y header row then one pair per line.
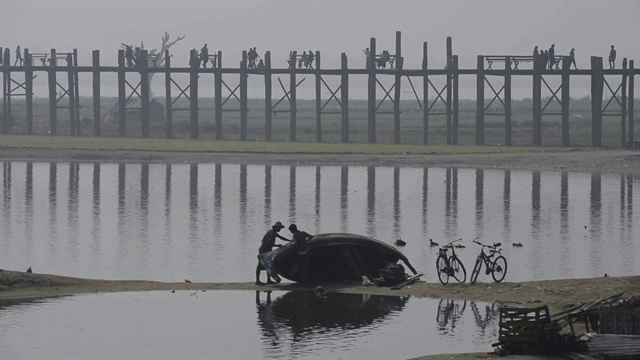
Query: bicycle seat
x,y
497,244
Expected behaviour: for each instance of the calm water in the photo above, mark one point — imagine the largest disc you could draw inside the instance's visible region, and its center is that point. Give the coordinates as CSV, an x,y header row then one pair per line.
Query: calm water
x,y
204,222
243,325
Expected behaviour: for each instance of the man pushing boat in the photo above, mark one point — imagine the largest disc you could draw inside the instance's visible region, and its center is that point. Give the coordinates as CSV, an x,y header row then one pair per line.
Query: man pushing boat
x,y
268,242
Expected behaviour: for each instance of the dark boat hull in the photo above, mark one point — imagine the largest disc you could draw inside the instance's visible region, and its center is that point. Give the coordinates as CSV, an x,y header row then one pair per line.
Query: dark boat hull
x,y
334,257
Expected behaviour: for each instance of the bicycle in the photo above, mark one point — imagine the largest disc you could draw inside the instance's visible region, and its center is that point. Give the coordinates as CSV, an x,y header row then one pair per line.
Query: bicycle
x,y
497,267
450,266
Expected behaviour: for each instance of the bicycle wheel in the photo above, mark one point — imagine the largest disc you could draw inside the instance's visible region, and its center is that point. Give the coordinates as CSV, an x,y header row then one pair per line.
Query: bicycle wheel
x,y
476,271
499,269
441,267
459,272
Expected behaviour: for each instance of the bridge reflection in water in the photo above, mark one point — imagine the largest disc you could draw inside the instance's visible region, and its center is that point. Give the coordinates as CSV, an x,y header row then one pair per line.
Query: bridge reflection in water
x,y
205,221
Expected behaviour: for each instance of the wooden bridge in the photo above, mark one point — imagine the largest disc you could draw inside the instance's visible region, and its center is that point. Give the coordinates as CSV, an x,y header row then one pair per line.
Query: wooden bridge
x,y
54,63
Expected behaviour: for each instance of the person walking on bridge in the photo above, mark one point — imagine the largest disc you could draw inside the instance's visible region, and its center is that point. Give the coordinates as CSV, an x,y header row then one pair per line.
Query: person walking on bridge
x,y
612,58
552,56
572,56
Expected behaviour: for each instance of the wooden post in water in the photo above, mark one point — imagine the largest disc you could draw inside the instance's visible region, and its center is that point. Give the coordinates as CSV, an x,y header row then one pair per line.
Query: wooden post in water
x,y
318,99
631,99
193,95
292,98
95,61
537,102
623,106
456,100
71,95
507,101
371,98
397,93
480,100
167,93
144,91
449,89
243,96
28,88
597,79
268,120
425,94
566,66
53,95
122,100
217,90
344,96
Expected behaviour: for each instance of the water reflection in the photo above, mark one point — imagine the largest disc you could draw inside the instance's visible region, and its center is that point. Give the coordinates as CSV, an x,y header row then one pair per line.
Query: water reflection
x,y
220,211
449,314
305,315
283,325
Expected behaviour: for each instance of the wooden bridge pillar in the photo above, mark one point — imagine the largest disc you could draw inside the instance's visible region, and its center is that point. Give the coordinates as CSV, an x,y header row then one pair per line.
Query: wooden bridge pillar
x,y
566,98
623,105
480,100
268,126
537,102
597,82
28,82
193,96
425,94
95,61
217,90
507,101
449,90
344,96
371,97
243,96
122,100
144,91
76,90
4,121
399,61
167,89
318,99
456,100
631,71
72,96
53,95
292,98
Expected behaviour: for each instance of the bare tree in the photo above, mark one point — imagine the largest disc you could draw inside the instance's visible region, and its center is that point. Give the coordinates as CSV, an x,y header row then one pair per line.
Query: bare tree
x,y
159,61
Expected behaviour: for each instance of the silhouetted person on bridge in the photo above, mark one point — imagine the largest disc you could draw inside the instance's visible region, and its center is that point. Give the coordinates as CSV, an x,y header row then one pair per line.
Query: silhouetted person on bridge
x,y
260,65
128,55
552,56
204,55
20,61
1,56
544,59
612,58
572,56
309,63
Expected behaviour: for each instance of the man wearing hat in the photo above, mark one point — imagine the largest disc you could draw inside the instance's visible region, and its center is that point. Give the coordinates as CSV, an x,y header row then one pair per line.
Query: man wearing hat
x,y
268,242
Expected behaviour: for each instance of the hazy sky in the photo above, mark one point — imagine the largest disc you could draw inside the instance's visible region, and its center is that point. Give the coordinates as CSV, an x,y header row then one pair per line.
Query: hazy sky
x,y
331,26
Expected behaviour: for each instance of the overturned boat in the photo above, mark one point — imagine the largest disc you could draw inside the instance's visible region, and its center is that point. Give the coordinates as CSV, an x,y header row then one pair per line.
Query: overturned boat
x,y
333,257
